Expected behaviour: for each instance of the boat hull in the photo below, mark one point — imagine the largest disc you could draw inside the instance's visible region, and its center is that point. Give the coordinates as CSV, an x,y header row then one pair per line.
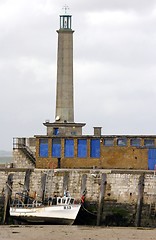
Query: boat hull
x,y
49,214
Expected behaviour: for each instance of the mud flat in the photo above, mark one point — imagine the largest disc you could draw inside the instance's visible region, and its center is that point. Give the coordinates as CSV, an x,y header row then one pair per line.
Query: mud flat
x,y
50,232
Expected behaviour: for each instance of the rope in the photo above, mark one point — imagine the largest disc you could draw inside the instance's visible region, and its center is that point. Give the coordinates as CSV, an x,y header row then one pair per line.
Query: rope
x,y
89,211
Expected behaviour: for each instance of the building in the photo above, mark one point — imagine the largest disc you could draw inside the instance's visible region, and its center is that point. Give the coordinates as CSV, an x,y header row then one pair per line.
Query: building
x,y
64,145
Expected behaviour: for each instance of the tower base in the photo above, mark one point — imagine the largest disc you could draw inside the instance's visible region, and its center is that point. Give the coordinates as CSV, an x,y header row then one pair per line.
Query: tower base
x,y
64,129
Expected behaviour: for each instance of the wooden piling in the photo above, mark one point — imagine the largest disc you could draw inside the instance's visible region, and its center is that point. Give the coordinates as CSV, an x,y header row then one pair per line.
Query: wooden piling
x,y
26,185
140,200
101,198
65,182
83,185
51,182
43,185
7,192
27,180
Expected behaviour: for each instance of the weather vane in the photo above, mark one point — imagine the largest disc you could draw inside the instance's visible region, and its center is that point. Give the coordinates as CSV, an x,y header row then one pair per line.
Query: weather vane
x,y
65,8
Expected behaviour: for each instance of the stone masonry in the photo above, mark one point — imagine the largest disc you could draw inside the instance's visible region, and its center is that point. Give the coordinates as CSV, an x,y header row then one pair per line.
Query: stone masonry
x,y
21,160
122,187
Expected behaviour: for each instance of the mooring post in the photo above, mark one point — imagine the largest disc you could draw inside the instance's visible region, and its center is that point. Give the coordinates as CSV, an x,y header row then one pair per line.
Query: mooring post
x,y
140,200
43,185
101,198
51,182
26,185
27,180
83,185
7,192
65,182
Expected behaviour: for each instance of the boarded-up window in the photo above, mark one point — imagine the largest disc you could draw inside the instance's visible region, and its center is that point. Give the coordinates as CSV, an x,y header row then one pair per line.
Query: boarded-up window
x,y
109,142
69,148
149,142
82,148
43,148
122,142
135,142
95,148
56,148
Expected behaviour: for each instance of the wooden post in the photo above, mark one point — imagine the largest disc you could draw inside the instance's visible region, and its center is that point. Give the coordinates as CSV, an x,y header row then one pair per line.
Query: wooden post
x,y
65,182
83,185
101,198
140,200
27,180
43,185
26,185
51,182
8,192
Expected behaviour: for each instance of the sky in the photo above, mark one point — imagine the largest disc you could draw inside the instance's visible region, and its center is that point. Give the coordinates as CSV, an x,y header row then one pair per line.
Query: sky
x,y
114,66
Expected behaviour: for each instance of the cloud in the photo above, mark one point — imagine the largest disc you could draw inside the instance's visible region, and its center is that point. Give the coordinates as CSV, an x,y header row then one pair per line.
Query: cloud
x,y
114,65
91,5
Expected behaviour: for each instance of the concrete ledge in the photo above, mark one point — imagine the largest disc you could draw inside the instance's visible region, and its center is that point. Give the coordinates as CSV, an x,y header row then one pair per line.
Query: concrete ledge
x,y
122,171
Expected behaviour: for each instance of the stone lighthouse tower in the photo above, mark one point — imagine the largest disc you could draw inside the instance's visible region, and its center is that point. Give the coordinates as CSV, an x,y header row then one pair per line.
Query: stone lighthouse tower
x,y
64,115
64,97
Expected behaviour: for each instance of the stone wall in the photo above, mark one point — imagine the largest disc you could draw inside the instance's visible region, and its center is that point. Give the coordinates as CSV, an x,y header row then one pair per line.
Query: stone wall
x,y
120,197
20,160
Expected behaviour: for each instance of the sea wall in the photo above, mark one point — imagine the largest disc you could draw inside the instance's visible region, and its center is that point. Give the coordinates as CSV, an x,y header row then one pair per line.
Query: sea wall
x,y
118,197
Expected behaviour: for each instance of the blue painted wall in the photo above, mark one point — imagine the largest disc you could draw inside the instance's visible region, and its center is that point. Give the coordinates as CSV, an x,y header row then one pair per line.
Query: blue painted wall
x,y
56,148
82,148
152,158
69,148
43,148
95,148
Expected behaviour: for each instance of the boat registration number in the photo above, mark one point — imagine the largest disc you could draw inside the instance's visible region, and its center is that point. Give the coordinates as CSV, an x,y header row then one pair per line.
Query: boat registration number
x,y
67,207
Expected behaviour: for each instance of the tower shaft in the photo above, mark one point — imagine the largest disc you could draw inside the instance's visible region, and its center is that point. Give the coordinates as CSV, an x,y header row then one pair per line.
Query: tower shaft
x,y
64,93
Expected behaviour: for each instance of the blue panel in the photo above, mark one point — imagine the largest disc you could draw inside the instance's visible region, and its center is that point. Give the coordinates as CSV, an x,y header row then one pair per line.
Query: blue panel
x,y
69,148
95,148
152,159
82,148
56,148
43,149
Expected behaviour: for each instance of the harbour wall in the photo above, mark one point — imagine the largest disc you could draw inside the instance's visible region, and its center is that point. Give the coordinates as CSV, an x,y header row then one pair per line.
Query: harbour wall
x,y
112,197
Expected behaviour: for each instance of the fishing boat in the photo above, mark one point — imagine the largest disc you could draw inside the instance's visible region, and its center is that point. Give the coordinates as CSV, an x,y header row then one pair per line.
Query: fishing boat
x,y
54,210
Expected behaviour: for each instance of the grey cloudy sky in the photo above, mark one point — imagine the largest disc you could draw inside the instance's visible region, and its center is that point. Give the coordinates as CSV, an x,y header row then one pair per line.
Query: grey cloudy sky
x,y
114,65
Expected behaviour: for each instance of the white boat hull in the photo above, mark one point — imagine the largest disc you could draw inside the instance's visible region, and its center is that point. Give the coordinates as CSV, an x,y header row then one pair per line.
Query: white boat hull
x,y
51,214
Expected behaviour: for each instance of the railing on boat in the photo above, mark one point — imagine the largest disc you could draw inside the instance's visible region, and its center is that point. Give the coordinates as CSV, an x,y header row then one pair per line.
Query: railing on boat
x,y
18,203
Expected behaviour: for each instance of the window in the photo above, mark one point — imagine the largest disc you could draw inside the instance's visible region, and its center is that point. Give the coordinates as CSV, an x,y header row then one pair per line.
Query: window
x,y
82,148
73,133
122,142
135,142
56,131
43,148
69,148
108,142
149,142
95,148
56,147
